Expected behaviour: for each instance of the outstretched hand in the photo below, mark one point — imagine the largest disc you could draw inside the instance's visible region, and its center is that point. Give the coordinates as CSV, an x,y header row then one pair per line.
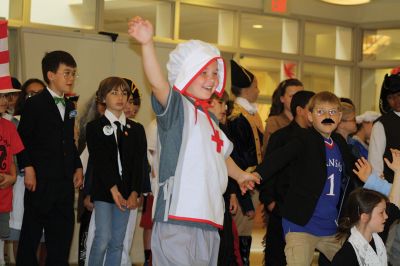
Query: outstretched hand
x,y
363,170
247,181
395,164
141,30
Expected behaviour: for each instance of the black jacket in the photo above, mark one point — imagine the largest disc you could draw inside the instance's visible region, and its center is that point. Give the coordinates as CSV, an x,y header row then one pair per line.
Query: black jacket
x,y
244,152
50,149
104,157
48,140
275,189
305,160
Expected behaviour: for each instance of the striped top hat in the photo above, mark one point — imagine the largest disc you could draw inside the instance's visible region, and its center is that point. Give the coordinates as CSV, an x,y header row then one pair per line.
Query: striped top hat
x,y
5,78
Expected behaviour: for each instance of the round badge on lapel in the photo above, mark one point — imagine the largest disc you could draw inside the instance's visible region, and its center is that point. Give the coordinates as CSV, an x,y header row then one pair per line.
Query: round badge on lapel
x,y
107,130
128,126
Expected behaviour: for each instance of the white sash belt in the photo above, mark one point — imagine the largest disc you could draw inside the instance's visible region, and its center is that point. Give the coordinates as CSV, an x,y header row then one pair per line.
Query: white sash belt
x,y
167,187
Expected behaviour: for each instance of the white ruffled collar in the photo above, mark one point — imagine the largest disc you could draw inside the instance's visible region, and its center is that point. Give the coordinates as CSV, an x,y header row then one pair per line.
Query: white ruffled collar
x,y
249,107
366,255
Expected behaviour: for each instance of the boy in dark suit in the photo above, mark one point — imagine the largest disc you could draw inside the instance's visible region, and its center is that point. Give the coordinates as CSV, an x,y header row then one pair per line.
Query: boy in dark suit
x,y
51,164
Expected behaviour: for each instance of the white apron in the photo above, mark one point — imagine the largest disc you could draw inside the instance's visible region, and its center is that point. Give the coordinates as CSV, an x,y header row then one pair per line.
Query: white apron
x,y
201,176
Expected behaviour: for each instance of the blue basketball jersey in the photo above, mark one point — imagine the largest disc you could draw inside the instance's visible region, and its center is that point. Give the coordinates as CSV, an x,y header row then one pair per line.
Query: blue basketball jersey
x,y
323,220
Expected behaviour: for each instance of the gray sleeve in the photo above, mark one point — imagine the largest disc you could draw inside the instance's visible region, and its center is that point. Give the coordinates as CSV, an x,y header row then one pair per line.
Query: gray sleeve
x,y
166,116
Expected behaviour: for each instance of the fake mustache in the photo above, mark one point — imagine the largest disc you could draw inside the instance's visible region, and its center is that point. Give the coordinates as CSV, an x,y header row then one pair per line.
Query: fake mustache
x,y
328,121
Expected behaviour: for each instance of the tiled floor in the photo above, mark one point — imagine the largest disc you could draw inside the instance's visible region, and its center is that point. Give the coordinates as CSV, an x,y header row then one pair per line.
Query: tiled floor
x,y
257,254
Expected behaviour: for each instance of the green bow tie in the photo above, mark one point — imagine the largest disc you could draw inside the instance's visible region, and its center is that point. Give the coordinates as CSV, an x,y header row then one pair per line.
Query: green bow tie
x,y
58,100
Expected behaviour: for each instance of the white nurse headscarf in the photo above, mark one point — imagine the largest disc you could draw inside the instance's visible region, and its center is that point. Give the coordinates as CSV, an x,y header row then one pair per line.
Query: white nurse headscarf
x,y
189,59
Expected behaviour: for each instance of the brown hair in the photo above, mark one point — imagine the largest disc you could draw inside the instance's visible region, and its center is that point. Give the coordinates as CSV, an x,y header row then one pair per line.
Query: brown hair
x,y
359,201
347,110
277,106
324,97
109,84
224,97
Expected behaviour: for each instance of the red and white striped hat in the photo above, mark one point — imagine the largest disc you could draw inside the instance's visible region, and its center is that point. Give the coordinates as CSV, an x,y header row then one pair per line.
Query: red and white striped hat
x,y
5,78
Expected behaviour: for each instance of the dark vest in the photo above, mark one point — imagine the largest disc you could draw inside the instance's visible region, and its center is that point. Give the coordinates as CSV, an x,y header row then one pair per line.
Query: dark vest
x,y
391,124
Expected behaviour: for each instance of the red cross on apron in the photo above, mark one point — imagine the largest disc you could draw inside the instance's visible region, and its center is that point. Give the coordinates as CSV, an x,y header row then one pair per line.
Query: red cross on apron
x,y
205,105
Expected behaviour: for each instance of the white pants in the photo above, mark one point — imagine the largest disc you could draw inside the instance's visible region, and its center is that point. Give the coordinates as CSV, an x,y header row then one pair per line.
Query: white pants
x,y
130,229
17,212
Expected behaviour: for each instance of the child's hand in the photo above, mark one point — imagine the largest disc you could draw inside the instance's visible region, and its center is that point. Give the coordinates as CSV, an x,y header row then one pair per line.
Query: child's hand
x,y
7,180
141,30
78,178
88,204
363,170
395,164
233,204
271,206
132,202
247,181
118,199
30,178
251,214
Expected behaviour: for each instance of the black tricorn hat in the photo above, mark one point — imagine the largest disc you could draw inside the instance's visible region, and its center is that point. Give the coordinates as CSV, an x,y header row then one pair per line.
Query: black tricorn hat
x,y
240,77
134,89
390,85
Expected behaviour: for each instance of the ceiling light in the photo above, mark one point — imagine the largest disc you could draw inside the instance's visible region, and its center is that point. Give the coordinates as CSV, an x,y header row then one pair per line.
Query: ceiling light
x,y
347,2
257,26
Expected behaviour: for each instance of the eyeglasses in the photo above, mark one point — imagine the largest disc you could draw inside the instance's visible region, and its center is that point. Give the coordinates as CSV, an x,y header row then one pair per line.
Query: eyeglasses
x,y
321,112
70,74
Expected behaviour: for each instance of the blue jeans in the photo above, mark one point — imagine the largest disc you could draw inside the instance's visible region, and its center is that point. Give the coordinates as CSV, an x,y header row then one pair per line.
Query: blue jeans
x,y
109,235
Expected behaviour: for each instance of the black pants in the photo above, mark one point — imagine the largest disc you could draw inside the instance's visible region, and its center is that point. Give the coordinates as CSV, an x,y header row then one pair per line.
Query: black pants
x,y
226,256
49,208
83,233
274,242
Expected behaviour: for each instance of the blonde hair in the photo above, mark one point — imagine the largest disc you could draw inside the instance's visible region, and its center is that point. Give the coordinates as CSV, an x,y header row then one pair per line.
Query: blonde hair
x,y
324,97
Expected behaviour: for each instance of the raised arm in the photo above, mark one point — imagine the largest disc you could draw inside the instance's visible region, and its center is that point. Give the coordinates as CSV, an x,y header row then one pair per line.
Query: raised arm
x,y
142,31
394,194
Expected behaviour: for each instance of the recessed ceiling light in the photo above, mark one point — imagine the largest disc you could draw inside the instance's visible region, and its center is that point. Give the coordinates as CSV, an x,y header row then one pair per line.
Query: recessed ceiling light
x,y
347,2
257,26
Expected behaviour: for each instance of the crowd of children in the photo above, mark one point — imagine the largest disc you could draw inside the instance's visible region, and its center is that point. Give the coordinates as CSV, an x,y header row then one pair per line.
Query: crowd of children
x,y
204,166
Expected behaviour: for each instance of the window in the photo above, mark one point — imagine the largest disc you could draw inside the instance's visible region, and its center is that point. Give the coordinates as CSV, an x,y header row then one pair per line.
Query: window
x,y
381,44
11,9
371,83
67,13
269,33
328,41
318,77
199,23
118,12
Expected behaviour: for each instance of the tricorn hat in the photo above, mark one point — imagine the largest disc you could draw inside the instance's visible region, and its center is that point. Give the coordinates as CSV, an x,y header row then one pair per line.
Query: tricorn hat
x,y
133,88
240,77
390,85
